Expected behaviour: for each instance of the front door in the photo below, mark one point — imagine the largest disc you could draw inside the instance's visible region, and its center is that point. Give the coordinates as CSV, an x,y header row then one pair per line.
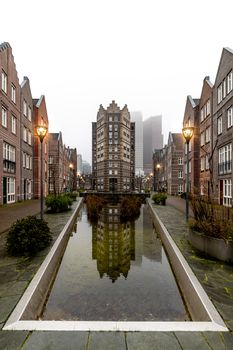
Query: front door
x,y
4,190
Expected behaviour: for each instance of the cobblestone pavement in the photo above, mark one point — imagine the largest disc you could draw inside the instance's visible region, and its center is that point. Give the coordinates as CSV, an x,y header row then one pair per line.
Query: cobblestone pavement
x,y
216,278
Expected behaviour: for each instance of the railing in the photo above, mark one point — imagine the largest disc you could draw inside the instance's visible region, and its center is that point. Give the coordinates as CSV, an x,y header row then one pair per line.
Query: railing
x,y
225,167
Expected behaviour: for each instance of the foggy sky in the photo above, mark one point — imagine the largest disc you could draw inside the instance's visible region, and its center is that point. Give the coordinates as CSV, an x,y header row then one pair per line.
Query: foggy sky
x,y
147,54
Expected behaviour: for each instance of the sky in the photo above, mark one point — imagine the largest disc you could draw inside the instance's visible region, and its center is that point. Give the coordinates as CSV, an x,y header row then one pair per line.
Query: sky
x,y
148,54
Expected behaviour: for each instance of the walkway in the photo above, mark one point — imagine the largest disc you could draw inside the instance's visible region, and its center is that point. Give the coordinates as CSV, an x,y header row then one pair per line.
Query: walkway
x,y
216,278
11,212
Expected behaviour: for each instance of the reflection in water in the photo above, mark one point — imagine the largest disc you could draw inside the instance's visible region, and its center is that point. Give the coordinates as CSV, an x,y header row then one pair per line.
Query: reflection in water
x,y
113,243
129,254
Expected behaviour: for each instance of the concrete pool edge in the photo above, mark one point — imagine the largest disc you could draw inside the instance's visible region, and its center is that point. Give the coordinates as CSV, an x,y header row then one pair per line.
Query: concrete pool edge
x,y
211,321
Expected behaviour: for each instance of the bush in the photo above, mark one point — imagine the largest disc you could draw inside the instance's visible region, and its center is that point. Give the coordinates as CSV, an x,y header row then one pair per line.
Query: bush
x,y
212,219
159,198
130,208
28,236
94,206
58,203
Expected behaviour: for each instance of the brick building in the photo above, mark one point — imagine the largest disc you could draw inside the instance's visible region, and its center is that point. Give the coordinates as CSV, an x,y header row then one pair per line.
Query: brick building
x,y
55,163
222,129
27,141
113,154
175,147
40,118
191,118
9,127
205,117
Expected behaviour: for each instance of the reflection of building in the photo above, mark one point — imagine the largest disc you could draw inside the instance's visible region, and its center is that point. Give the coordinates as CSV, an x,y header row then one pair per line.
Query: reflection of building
x,y
113,158
113,243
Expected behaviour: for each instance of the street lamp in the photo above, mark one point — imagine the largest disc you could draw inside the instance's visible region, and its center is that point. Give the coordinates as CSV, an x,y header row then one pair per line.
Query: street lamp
x,y
158,167
41,131
71,166
187,133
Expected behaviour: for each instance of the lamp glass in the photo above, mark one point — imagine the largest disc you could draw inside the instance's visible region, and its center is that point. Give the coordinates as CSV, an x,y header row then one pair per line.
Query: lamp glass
x,y
41,131
188,132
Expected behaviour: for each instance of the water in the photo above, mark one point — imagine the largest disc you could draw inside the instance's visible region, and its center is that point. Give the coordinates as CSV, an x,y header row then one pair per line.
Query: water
x,y
115,272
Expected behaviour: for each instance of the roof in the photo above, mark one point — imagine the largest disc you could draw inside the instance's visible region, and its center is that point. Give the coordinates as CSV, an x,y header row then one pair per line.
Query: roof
x,y
4,46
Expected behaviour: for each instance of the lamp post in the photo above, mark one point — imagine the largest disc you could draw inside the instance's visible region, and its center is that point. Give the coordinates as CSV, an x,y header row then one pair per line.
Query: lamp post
x,y
158,166
71,167
41,131
187,133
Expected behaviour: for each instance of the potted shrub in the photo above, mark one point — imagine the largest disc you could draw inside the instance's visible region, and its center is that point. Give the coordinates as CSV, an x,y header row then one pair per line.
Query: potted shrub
x,y
212,229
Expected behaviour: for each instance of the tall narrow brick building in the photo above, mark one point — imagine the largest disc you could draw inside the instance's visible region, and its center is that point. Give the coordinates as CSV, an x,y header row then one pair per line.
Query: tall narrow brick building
x,y
113,150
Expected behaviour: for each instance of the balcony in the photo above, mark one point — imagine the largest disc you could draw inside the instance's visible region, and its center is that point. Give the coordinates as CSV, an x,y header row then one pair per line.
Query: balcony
x,y
225,167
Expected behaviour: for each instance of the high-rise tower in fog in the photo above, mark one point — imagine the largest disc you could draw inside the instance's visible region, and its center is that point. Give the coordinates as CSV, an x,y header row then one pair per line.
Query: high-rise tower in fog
x,y
152,139
137,118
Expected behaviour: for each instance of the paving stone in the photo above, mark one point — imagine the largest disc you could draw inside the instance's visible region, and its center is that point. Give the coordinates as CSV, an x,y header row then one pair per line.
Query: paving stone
x,y
7,304
152,340
192,341
228,340
56,341
107,341
12,288
215,340
10,340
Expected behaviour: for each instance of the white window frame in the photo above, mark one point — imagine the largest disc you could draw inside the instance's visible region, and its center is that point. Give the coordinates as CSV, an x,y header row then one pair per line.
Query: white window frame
x,y
219,126
207,135
180,188
29,113
10,189
13,93
180,160
207,165
25,134
202,163
227,192
4,82
25,108
229,82
29,137
219,92
202,139
180,174
4,117
230,117
13,124
208,108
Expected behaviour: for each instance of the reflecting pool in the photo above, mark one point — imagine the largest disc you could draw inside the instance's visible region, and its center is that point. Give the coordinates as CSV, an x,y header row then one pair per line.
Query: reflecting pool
x,y
113,271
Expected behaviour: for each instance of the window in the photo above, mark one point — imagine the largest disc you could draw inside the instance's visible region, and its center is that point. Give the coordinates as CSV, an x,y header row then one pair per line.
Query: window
x,y
202,163
110,118
180,174
25,108
225,159
190,167
27,161
230,117
4,117
29,114
227,196
110,127
180,160
202,138
50,159
207,134
208,108
220,93
202,114
4,82
219,125
24,160
207,165
224,88
180,188
13,124
25,134
13,93
115,172
29,137
110,172
10,190
8,152
229,82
